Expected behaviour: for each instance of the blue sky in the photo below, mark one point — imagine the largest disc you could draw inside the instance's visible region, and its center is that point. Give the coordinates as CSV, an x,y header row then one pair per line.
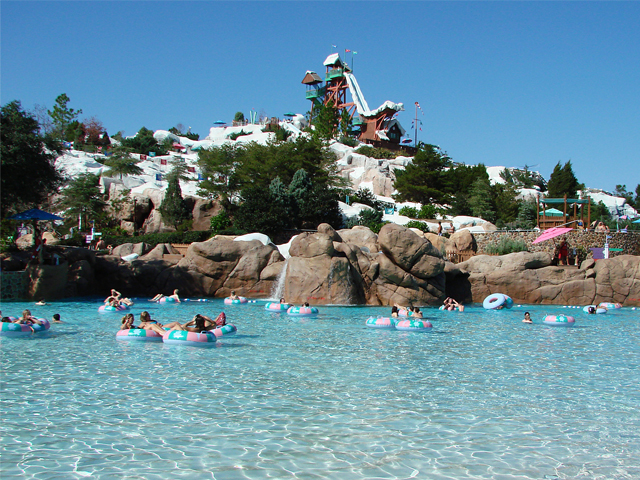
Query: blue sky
x,y
502,83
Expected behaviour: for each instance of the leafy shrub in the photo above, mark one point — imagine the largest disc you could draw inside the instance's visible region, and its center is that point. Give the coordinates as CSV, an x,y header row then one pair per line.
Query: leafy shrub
x,y
348,141
506,245
220,222
235,135
409,212
366,197
374,152
428,211
419,225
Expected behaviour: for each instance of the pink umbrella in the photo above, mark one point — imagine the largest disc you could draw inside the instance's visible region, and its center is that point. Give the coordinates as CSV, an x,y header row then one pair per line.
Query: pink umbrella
x,y
552,233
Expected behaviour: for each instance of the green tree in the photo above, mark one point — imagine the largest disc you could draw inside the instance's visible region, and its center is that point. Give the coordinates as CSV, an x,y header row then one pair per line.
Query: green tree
x,y
121,163
424,180
326,122
259,212
29,174
230,169
458,180
506,203
563,182
480,200
82,196
621,191
174,209
527,215
239,117
62,116
144,142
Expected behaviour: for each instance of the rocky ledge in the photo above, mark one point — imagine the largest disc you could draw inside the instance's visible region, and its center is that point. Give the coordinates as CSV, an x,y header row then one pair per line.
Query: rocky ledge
x,y
351,266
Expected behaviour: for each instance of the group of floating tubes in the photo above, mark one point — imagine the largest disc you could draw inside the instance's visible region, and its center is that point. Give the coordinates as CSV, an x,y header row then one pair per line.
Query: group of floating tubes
x,y
110,308
178,337
23,329
291,309
497,300
407,325
235,301
559,320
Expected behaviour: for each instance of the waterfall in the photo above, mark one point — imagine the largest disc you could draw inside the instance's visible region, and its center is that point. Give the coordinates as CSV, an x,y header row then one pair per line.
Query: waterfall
x,y
277,292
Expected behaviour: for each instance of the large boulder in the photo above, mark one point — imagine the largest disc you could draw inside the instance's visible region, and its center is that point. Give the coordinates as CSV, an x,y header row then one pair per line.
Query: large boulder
x,y
410,252
361,237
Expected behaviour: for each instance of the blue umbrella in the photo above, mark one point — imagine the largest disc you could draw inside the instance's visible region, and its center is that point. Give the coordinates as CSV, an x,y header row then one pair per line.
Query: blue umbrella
x,y
219,122
35,214
636,221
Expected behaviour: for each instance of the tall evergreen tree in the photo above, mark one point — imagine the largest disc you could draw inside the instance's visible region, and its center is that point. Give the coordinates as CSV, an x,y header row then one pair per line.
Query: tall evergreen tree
x,y
424,180
82,196
29,174
62,116
563,182
174,209
480,200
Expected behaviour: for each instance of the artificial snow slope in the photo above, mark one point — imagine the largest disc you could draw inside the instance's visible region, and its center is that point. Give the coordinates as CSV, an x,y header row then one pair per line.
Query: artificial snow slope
x,y
376,175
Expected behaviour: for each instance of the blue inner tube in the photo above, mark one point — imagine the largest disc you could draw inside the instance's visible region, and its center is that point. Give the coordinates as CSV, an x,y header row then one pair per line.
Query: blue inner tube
x,y
495,300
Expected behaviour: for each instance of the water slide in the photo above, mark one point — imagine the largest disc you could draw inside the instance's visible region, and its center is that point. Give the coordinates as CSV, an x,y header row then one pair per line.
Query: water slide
x,y
361,104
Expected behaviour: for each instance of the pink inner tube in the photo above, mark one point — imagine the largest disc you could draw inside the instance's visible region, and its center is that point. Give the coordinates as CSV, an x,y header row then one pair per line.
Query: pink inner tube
x,y
414,325
559,320
109,308
138,335
277,307
181,337
225,331
21,329
381,322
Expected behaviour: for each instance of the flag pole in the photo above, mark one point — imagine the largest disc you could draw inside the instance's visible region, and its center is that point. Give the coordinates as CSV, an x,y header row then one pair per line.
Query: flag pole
x,y
415,125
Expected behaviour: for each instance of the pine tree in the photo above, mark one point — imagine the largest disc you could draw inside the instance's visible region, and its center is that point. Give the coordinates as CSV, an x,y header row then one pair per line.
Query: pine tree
x,y
122,163
563,182
62,116
174,209
424,180
480,200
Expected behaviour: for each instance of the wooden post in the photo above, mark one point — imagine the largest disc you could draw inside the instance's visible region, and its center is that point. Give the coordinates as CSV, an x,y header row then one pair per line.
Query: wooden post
x,y
589,213
565,209
538,211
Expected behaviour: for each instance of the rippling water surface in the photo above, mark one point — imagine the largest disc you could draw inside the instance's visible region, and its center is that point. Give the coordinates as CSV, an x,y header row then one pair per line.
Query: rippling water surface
x,y
481,396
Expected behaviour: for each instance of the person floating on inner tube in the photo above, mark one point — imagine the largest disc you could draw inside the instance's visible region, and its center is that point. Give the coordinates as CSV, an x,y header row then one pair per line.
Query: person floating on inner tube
x,y
591,309
199,323
233,295
160,295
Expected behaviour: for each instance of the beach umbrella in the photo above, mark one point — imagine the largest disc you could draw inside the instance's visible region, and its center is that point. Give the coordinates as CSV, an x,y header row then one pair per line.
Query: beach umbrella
x,y
219,122
35,214
553,212
289,114
552,233
636,221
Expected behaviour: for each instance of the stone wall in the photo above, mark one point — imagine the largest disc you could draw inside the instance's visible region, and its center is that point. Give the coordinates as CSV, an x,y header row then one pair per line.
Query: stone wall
x,y
14,285
629,242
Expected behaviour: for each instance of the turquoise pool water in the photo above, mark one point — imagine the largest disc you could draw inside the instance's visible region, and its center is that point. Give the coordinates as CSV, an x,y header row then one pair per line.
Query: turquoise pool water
x,y
481,396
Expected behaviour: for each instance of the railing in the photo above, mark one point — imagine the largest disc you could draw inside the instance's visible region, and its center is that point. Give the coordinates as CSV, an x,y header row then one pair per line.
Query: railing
x,y
335,73
459,257
181,248
315,93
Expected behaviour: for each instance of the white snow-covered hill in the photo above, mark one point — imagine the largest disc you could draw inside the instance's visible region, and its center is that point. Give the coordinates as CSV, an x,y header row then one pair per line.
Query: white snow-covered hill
x,y
376,175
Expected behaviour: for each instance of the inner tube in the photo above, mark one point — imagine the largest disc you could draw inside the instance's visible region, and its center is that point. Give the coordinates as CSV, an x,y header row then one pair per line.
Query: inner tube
x,y
23,329
381,322
138,335
192,339
559,320
495,300
609,305
110,308
277,307
302,311
598,309
414,325
235,301
167,300
508,302
225,331
404,313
